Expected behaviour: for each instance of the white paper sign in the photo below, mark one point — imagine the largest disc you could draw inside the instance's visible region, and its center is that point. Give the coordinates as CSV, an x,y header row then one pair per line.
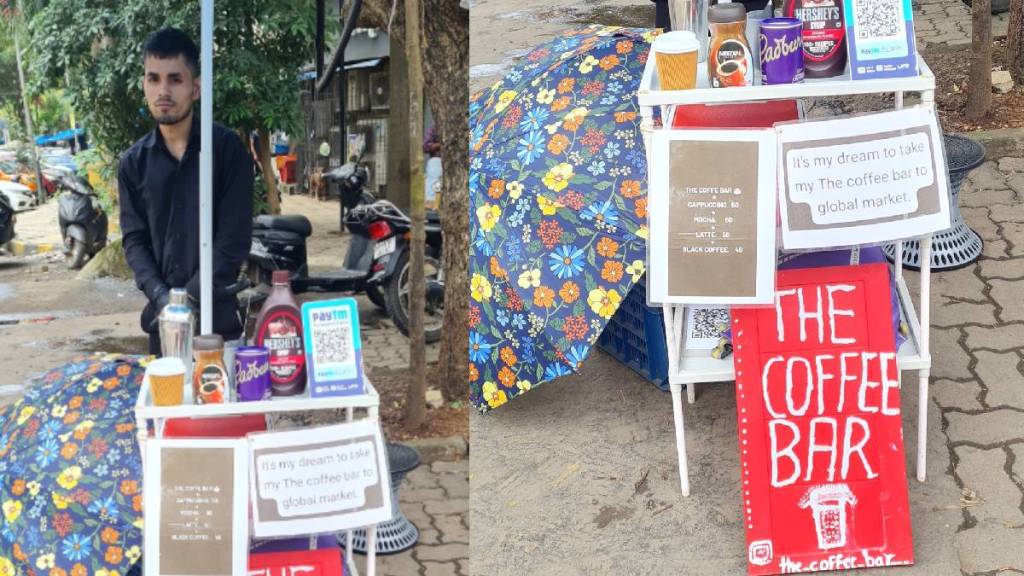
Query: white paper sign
x,y
861,180
319,480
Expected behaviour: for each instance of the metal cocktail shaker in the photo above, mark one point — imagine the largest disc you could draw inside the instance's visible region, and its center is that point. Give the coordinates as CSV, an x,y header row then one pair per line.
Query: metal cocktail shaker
x,y
176,328
691,16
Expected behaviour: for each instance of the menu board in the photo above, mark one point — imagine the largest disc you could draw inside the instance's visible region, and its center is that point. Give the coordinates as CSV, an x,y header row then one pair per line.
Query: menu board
x,y
195,502
712,230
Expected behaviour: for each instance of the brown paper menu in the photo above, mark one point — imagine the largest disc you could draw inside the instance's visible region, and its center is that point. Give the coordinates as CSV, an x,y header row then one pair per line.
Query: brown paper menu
x,y
712,244
195,507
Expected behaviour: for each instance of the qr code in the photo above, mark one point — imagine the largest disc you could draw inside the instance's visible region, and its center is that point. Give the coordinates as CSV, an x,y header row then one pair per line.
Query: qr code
x,y
333,343
878,18
708,322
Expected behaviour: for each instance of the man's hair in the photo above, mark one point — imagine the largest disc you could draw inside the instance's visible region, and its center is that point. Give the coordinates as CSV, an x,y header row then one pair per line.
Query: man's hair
x,y
171,43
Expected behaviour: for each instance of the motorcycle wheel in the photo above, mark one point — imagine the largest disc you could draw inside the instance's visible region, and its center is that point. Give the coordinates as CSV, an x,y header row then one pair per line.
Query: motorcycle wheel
x,y
398,299
376,295
77,255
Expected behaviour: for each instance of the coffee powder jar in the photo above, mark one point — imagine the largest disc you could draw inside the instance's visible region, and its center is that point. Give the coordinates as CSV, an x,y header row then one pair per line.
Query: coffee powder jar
x,y
729,61
210,377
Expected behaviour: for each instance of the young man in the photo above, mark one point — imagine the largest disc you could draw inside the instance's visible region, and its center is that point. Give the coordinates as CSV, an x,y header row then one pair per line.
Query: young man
x,y
158,183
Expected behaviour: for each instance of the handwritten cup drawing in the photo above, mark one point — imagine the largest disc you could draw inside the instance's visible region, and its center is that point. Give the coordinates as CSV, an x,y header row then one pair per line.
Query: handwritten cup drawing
x,y
828,504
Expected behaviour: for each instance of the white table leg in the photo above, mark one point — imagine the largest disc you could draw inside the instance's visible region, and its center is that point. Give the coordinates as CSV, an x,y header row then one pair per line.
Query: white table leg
x,y
677,412
371,550
922,424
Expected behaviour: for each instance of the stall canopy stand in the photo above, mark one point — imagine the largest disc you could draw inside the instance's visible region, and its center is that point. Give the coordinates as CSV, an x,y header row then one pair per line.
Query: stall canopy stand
x,y
206,170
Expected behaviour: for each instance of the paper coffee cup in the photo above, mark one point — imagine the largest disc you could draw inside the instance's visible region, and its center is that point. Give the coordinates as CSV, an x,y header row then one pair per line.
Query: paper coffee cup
x,y
167,381
676,57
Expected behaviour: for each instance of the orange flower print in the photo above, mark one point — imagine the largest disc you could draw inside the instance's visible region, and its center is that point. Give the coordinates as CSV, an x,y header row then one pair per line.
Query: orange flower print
x,y
570,292
607,247
111,383
612,271
550,233
624,46
507,377
57,572
575,327
114,555
125,428
124,370
137,502
508,356
640,208
496,270
474,374
572,199
75,403
544,297
18,488
623,117
110,535
558,144
69,451
71,417
129,487
560,104
79,570
630,189
19,555
608,62
566,85
496,189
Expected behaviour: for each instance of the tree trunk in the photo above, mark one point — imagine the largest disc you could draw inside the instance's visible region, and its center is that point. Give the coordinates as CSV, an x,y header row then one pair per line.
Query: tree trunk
x,y
1015,42
267,163
979,93
446,51
415,399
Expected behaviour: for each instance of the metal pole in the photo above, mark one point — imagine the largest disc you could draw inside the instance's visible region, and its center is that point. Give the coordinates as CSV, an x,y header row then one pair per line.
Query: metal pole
x,y
206,171
40,188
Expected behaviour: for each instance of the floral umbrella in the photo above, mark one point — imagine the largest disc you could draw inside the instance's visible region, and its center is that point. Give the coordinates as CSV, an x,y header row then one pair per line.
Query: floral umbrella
x,y
70,472
558,208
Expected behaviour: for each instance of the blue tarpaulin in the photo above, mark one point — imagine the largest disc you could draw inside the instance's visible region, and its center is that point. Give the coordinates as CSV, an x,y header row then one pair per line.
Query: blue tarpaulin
x,y
59,136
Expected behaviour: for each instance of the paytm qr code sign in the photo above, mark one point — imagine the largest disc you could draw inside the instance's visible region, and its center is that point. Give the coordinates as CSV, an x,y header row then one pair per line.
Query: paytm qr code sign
x,y
818,413
334,362
319,480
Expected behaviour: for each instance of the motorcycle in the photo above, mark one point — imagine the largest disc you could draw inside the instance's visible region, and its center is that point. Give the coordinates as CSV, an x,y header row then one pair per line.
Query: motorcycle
x,y
377,261
83,223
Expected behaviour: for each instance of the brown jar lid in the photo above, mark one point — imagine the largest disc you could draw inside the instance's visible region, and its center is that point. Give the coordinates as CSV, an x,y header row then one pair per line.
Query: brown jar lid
x,y
208,342
726,13
280,277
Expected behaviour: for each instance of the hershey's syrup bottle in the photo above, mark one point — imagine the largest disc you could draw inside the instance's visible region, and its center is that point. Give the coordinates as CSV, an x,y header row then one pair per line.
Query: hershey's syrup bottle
x,y
823,35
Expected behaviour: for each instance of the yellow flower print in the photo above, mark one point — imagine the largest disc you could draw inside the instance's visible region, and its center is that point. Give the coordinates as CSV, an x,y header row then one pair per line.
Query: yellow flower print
x,y
138,523
6,567
12,509
548,207
545,96
33,488
504,100
530,279
523,385
642,232
133,554
488,215
94,385
25,414
59,411
514,189
45,562
604,303
636,269
552,128
480,288
557,179
69,478
61,501
493,395
578,115
587,66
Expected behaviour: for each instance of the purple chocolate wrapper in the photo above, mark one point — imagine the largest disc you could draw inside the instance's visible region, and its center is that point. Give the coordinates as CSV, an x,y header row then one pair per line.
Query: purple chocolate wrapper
x,y
782,54
252,374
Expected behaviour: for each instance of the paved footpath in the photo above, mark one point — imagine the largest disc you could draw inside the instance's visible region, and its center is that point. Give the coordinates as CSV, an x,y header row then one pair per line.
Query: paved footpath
x,y
949,22
978,376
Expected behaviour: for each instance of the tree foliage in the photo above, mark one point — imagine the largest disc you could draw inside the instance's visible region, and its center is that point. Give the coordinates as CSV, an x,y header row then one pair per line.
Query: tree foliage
x,y
259,47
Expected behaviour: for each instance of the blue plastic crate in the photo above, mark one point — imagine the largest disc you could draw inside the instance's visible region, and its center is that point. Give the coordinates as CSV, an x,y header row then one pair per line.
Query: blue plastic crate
x,y
635,336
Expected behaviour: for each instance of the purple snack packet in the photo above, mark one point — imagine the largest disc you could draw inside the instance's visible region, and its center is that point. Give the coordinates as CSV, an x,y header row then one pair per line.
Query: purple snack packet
x,y
252,374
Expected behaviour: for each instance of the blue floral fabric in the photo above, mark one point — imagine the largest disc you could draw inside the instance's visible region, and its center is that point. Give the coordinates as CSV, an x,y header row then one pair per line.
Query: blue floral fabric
x,y
558,201
70,472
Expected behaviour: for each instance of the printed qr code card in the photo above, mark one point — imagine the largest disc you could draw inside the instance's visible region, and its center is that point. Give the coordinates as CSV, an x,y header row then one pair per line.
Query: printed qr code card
x,y
880,39
334,357
704,326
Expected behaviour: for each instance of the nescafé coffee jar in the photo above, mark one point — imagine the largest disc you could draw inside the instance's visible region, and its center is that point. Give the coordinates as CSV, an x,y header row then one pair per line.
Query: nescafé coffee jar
x,y
729,61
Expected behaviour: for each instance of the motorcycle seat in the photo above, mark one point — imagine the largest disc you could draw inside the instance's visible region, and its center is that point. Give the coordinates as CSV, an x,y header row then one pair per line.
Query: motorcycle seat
x,y
291,223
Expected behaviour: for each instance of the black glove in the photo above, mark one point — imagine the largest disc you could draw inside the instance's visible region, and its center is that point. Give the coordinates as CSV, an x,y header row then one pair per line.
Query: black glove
x,y
158,299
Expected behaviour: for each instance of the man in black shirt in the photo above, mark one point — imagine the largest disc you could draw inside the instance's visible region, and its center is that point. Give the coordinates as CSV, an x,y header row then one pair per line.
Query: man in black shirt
x,y
158,183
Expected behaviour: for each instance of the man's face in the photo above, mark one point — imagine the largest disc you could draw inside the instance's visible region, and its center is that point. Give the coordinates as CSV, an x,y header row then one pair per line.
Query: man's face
x,y
170,88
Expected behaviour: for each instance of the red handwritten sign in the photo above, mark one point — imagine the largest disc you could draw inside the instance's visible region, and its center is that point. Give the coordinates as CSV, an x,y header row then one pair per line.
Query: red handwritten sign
x,y
818,413
305,563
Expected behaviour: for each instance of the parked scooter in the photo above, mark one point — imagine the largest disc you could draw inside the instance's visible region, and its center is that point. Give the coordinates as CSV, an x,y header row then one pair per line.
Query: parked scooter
x,y
83,223
377,261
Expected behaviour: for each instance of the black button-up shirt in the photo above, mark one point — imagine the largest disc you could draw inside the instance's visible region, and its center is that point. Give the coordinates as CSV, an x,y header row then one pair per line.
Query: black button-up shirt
x,y
159,201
